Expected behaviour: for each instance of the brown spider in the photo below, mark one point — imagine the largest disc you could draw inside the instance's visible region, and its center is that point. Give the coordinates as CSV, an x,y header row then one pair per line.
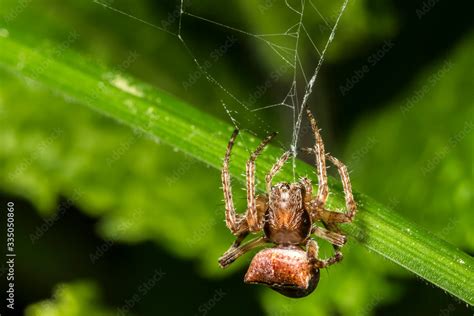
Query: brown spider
x,y
287,214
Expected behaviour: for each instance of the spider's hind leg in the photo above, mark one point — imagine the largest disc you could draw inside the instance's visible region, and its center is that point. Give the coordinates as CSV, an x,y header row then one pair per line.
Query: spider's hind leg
x,y
312,250
334,237
235,252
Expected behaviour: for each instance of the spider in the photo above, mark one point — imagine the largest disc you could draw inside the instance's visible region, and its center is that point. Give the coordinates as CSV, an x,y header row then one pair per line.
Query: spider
x,y
286,214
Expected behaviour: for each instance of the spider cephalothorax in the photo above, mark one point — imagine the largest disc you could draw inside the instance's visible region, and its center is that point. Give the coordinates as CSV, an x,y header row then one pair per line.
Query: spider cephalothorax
x,y
286,214
287,222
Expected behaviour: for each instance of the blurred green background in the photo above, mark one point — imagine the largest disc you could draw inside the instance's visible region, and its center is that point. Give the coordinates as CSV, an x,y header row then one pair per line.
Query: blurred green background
x,y
111,223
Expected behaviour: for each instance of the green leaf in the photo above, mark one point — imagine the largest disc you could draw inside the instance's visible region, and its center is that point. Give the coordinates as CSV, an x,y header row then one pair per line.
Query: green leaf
x,y
427,176
163,116
73,299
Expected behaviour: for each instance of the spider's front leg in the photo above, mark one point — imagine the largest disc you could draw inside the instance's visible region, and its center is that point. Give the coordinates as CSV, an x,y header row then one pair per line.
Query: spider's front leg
x,y
252,221
275,168
256,206
351,206
346,184
320,159
235,222
316,206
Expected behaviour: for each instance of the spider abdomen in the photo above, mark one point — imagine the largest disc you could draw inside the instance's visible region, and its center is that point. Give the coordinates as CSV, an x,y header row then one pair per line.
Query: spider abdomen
x,y
286,270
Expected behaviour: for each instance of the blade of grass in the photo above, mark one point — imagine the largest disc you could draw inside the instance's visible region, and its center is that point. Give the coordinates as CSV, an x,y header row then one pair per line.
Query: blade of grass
x,y
205,138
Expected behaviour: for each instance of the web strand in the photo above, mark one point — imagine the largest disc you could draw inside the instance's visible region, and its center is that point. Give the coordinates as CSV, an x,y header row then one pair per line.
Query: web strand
x,y
310,85
295,101
134,17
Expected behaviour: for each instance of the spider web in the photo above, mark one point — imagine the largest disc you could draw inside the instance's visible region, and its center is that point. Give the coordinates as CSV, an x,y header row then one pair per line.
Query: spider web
x,y
284,45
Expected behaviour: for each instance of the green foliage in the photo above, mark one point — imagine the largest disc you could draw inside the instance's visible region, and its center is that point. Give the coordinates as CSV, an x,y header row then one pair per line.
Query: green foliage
x,y
375,227
431,183
354,31
73,299
142,191
113,172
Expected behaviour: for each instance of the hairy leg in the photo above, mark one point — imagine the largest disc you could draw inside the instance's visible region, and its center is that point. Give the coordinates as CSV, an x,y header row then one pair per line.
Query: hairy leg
x,y
346,184
308,190
334,238
320,158
312,250
235,252
233,220
319,213
253,220
276,167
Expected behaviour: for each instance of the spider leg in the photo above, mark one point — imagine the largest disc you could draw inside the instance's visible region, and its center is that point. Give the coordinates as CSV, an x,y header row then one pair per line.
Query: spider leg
x,y
312,250
275,168
318,212
253,220
335,238
320,158
233,220
238,241
346,184
334,228
328,216
308,189
261,208
233,253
